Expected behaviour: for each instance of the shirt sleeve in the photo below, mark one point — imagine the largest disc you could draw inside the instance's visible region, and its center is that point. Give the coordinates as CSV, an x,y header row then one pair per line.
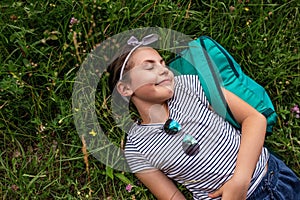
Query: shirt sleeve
x,y
135,159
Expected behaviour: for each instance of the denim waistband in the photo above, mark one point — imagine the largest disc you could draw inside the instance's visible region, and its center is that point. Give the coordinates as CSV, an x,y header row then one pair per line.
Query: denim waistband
x,y
280,183
269,179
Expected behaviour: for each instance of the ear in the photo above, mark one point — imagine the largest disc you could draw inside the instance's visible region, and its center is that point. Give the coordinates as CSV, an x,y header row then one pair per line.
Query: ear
x,y
124,89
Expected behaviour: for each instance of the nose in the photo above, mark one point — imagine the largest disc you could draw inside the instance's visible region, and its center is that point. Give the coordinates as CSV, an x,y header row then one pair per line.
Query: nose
x,y
163,70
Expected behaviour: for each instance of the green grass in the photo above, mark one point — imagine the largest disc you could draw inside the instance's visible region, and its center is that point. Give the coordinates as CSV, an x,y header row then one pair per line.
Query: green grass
x,y
41,155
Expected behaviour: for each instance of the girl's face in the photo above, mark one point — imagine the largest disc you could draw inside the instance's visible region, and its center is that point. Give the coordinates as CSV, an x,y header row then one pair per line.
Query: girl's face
x,y
150,79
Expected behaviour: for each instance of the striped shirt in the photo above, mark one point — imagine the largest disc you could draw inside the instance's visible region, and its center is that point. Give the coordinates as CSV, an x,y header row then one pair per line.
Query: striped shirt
x,y
149,147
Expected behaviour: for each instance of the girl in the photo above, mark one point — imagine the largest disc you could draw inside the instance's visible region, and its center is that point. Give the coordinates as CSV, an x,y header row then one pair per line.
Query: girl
x,y
180,138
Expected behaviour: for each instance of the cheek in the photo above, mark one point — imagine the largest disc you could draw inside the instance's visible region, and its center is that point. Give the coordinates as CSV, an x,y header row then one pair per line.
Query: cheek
x,y
143,88
142,80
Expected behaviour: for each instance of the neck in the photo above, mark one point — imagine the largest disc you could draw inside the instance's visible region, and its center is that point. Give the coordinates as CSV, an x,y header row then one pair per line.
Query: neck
x,y
154,113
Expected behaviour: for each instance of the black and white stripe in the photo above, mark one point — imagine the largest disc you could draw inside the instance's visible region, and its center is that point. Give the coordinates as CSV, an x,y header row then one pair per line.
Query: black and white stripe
x,y
149,147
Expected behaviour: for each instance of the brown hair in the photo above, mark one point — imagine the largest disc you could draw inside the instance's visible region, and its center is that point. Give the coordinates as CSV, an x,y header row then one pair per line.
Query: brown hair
x,y
114,69
106,86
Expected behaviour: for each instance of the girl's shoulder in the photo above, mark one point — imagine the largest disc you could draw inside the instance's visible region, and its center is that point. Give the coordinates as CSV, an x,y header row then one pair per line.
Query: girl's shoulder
x,y
144,130
188,82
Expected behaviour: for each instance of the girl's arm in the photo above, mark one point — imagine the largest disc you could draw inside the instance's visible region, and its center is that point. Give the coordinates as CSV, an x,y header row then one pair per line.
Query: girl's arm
x,y
160,185
253,126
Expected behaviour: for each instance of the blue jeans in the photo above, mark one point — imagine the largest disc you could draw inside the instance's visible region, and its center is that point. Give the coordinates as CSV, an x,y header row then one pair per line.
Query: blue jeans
x,y
280,183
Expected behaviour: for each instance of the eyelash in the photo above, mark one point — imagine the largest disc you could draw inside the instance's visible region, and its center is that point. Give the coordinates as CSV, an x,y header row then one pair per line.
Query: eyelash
x,y
150,67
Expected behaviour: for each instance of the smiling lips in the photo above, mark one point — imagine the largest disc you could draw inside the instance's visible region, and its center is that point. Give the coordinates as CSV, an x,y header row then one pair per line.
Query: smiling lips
x,y
163,82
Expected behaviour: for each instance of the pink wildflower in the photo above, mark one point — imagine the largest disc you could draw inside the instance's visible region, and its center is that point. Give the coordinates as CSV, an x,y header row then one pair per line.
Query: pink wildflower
x,y
295,109
74,21
129,187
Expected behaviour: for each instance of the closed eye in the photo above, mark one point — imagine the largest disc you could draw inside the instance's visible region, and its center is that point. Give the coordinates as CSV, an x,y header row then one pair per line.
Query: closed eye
x,y
148,67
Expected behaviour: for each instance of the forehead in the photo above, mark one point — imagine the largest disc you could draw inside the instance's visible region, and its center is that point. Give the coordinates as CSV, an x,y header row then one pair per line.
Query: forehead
x,y
144,54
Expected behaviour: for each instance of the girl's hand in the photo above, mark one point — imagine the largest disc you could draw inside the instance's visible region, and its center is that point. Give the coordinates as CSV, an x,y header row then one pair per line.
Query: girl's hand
x,y
234,189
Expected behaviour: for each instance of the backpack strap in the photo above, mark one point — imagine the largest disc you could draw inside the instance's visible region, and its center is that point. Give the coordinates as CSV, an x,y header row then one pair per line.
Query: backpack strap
x,y
229,115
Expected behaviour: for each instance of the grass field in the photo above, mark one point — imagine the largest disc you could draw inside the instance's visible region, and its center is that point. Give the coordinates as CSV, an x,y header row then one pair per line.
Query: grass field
x,y
44,42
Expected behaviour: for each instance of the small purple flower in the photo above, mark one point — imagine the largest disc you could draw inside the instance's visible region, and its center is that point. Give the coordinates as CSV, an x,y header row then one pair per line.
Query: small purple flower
x,y
74,21
295,109
129,187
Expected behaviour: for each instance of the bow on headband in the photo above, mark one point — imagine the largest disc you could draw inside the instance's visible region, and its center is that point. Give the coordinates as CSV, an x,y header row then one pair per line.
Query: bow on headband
x,y
133,41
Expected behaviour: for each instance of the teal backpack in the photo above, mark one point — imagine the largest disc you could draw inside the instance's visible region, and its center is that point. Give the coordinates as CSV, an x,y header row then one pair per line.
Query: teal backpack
x,y
216,68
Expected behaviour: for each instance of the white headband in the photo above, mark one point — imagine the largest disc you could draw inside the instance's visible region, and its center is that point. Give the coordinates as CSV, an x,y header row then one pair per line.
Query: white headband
x,y
134,42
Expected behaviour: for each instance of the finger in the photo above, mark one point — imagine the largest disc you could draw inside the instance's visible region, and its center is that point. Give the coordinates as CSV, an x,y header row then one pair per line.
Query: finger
x,y
215,194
